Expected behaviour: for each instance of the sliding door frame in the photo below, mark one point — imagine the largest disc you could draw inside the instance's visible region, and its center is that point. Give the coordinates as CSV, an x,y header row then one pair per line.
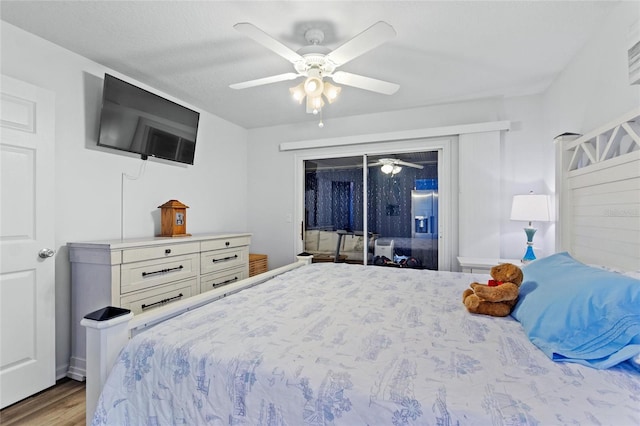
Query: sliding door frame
x,y
447,148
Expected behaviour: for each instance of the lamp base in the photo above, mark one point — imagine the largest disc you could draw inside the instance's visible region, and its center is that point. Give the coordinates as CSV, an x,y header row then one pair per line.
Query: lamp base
x,y
529,255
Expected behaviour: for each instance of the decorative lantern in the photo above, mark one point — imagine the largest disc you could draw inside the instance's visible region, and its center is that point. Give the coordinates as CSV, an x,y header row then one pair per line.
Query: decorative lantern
x,y
173,219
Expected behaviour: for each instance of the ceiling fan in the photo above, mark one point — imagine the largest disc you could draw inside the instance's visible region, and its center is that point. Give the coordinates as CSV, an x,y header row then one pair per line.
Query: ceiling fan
x,y
315,62
393,165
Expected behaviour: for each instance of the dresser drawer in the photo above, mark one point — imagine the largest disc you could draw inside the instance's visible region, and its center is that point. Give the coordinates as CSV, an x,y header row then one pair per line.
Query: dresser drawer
x,y
224,243
140,275
159,252
218,260
142,301
219,279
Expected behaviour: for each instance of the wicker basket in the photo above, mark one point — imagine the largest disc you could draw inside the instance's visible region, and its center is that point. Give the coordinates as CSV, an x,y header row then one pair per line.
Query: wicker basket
x,y
257,264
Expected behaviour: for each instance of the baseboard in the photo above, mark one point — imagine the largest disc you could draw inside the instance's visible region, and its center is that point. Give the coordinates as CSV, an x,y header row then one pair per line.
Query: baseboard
x,y
77,369
61,371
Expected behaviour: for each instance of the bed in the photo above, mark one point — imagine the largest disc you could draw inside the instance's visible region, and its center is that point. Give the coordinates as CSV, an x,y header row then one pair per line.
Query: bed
x,y
328,343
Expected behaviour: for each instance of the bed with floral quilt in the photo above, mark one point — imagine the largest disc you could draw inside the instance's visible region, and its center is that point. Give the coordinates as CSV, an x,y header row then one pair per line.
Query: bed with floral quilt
x,y
338,344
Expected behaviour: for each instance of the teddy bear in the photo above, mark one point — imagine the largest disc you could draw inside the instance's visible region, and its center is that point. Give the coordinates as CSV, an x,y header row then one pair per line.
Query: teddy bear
x,y
499,296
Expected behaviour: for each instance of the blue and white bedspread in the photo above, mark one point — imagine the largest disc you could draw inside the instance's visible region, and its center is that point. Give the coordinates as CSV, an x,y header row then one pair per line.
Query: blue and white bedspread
x,y
336,344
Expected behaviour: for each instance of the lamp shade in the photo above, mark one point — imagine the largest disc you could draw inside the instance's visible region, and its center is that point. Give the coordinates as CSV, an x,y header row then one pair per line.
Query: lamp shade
x,y
530,207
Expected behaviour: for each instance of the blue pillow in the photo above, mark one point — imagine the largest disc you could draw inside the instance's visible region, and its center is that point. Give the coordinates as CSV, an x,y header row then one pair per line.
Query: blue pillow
x,y
577,313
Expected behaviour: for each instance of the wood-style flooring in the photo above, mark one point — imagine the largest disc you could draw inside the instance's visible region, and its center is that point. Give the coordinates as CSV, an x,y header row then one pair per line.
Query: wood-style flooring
x,y
60,405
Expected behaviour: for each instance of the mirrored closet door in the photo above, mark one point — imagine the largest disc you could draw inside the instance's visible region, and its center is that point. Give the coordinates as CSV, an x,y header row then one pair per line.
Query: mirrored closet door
x,y
334,209
373,209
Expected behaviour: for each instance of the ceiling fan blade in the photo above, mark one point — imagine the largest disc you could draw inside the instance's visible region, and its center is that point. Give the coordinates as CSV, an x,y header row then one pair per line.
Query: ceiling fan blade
x,y
265,80
370,38
366,83
404,163
267,41
395,162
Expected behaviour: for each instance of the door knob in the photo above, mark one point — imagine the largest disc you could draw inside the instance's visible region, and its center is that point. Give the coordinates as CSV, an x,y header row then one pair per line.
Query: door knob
x,y
46,252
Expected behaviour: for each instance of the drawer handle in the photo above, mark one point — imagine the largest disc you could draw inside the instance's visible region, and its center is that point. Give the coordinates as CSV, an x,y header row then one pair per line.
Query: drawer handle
x,y
162,271
225,282
160,302
235,256
227,243
167,251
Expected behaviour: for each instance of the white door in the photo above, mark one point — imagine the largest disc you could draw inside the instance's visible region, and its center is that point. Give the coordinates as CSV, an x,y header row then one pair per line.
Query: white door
x,y
27,274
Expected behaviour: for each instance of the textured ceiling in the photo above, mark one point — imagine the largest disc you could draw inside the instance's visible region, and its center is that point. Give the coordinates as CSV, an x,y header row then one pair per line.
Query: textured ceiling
x,y
445,51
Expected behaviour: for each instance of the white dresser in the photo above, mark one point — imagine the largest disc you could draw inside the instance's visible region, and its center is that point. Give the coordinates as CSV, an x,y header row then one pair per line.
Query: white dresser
x,y
141,274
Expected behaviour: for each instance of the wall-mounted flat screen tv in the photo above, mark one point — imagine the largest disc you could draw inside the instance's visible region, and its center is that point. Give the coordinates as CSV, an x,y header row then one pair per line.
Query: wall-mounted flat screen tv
x,y
135,120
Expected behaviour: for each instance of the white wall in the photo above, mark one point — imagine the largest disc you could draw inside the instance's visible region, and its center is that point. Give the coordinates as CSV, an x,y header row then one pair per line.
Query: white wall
x,y
271,172
594,89
235,186
479,167
527,165
591,91
88,179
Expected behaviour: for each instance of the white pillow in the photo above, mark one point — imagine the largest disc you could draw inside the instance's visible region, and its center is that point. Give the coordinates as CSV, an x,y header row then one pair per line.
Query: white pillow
x,y
607,268
633,274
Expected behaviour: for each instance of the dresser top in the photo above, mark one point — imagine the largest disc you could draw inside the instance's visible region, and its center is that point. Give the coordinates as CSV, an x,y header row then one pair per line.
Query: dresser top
x,y
154,241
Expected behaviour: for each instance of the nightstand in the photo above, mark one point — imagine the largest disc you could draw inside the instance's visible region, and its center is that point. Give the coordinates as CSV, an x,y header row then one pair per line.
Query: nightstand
x,y
479,265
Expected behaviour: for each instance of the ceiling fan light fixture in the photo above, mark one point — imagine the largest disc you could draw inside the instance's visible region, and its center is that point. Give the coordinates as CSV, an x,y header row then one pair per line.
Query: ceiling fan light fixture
x,y
387,168
298,92
313,86
314,104
393,166
331,92
315,61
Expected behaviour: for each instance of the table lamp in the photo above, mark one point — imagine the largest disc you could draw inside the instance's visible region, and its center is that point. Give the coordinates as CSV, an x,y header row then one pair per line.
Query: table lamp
x,y
529,208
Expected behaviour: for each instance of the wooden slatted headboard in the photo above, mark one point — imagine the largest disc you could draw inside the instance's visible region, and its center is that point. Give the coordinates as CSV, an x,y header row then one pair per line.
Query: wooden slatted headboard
x,y
598,189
